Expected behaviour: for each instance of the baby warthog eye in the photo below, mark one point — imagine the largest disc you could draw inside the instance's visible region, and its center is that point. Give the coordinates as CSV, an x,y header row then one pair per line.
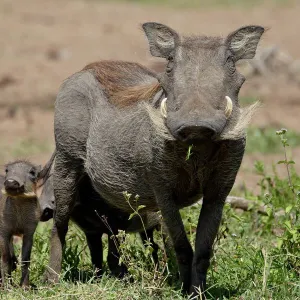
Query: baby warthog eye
x,y
32,172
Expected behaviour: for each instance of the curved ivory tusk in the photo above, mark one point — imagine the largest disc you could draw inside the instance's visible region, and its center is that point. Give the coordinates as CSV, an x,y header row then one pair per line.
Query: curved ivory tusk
x,y
228,109
163,107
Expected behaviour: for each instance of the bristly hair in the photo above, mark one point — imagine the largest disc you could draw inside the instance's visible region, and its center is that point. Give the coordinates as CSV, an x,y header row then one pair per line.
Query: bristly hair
x,y
125,83
24,161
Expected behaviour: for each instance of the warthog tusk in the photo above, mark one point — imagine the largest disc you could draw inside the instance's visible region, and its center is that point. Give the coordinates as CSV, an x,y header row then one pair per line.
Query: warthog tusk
x,y
24,195
228,109
163,107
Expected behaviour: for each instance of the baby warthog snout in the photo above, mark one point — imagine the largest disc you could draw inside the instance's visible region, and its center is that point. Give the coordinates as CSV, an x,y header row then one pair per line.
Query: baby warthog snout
x,y
46,214
13,187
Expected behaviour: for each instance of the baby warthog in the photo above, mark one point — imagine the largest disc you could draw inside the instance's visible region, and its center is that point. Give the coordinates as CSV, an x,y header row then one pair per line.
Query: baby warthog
x,y
19,215
95,217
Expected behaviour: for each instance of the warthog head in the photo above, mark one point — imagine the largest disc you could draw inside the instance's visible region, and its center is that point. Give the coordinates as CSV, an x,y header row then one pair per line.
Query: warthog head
x,y
47,200
201,81
21,179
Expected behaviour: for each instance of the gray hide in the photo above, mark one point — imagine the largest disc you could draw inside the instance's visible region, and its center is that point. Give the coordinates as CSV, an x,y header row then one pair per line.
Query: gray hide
x,y
88,213
142,148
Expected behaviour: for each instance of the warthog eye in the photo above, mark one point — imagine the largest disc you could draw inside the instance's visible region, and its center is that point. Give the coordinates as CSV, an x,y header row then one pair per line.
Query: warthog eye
x,y
170,64
170,58
6,170
32,173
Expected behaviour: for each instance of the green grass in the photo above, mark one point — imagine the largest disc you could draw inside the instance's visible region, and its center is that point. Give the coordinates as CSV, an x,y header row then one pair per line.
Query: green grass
x,y
255,256
264,140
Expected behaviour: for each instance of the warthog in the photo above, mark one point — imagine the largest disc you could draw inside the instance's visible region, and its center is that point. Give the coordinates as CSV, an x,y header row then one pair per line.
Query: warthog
x,y
19,215
130,130
95,217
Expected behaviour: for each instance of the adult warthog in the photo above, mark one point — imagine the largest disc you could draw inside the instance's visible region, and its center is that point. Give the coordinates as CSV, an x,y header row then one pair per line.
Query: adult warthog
x,y
130,130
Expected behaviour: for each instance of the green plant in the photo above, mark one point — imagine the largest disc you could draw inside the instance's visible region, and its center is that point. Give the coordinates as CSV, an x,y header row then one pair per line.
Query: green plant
x,y
289,241
263,140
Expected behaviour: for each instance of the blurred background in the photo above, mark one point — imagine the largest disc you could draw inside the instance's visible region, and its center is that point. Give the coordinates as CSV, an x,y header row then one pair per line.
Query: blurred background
x,y
43,42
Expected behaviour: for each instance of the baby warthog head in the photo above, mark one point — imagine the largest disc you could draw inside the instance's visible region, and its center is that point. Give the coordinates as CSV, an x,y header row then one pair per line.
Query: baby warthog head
x,y
201,81
47,200
21,179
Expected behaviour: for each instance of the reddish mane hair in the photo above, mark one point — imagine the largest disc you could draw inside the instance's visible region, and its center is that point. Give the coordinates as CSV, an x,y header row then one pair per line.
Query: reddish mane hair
x,y
125,83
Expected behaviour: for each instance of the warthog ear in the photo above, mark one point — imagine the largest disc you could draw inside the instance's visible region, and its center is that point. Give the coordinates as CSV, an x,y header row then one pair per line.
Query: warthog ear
x,y
161,38
243,42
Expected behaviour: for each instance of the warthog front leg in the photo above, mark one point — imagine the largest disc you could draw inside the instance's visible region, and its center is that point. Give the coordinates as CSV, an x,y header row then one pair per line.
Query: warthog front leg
x,y
207,229
181,244
26,253
12,253
65,181
215,194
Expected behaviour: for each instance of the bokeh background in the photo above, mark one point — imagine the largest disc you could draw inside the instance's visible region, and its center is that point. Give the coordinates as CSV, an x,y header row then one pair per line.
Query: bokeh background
x,y
43,42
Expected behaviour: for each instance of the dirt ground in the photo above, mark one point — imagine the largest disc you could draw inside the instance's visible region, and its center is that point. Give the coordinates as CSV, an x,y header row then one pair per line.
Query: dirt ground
x,y
43,42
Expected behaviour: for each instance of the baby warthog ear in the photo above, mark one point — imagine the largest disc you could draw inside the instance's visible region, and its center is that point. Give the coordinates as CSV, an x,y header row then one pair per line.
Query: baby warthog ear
x,y
162,39
38,170
243,42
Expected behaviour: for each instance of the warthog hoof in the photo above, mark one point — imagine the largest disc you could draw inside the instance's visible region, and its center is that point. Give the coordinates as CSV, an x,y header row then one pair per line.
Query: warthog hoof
x,y
50,277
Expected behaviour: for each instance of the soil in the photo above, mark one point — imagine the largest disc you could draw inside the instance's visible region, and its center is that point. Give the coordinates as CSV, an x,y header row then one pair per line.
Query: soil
x,y
43,42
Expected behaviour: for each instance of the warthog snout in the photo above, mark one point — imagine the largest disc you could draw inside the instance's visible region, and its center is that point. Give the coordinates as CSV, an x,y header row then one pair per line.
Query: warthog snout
x,y
47,214
196,128
13,186
192,124
47,200
187,133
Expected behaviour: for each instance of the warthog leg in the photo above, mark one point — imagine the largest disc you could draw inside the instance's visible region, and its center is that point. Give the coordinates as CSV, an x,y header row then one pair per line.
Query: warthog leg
x,y
14,258
94,241
113,258
6,258
181,244
216,191
64,181
207,229
26,253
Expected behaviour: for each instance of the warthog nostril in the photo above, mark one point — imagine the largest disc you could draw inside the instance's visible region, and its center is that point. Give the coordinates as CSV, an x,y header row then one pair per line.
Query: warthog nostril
x,y
206,132
190,133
